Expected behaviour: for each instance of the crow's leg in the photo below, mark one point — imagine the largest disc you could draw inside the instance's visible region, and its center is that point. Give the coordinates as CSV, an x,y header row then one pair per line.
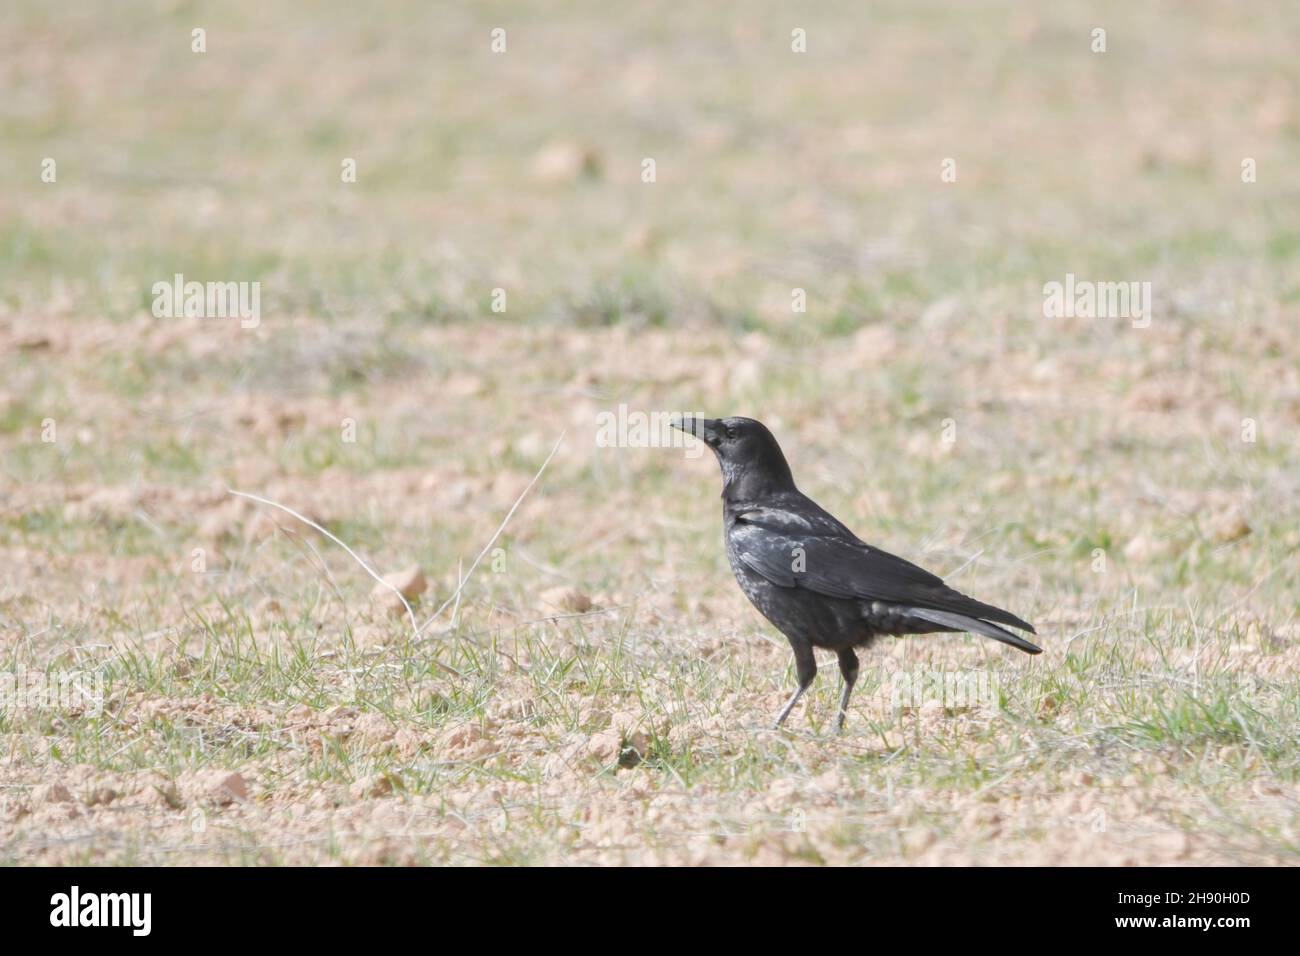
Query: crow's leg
x,y
849,671
805,667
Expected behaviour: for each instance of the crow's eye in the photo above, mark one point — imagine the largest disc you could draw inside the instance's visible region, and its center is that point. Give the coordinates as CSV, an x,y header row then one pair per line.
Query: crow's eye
x,y
731,433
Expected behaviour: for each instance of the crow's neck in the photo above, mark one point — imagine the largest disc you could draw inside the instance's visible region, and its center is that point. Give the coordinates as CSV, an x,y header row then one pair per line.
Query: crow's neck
x,y
754,482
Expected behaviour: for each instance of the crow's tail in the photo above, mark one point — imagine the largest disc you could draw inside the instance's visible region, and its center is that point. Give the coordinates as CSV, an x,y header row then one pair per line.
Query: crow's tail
x,y
961,622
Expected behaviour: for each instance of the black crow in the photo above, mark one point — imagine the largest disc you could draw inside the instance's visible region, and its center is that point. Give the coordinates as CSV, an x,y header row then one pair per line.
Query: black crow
x,y
818,582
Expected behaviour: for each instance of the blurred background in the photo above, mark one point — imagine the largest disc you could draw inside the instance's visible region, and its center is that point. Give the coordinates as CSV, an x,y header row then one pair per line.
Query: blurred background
x,y
923,396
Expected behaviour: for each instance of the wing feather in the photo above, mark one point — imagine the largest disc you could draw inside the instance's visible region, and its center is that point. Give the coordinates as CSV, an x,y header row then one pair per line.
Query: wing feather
x,y
816,552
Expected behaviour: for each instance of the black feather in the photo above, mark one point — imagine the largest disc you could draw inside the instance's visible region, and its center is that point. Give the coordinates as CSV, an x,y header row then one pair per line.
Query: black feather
x,y
814,579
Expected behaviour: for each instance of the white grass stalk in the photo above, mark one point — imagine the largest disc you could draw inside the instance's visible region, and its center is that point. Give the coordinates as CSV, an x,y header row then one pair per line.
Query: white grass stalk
x,y
493,540
342,544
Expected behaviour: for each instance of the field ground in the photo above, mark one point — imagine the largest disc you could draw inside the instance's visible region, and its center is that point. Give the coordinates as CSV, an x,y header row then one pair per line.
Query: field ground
x,y
603,692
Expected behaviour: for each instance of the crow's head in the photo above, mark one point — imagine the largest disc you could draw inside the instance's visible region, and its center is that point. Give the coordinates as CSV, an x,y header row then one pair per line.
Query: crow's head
x,y
749,456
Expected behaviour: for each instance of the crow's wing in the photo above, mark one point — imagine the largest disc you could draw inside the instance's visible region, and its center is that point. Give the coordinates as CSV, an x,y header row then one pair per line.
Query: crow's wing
x,y
794,548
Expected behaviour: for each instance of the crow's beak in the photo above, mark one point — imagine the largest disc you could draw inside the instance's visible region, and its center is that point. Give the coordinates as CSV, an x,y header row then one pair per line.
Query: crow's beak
x,y
707,430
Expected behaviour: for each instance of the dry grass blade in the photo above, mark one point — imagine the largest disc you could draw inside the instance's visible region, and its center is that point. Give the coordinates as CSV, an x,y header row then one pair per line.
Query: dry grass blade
x,y
337,540
493,540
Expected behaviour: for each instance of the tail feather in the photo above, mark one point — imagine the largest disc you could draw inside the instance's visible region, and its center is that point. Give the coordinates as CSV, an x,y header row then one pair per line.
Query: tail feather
x,y
961,622
954,602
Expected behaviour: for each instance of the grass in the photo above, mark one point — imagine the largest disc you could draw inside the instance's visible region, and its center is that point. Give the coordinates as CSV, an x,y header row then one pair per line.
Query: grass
x,y
1098,484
